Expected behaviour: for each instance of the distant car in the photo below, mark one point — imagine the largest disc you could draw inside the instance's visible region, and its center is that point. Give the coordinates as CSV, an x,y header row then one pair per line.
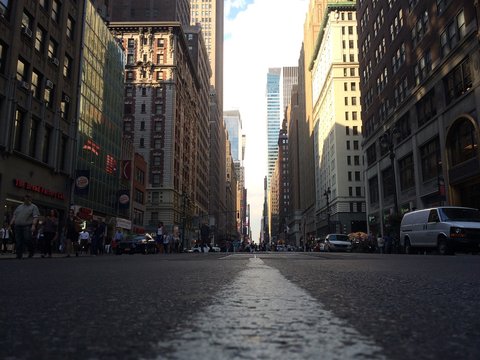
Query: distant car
x,y
137,244
337,242
198,249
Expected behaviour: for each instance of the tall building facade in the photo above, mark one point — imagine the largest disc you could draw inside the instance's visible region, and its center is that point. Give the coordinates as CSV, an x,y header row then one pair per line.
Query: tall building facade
x,y
233,124
339,185
150,11
419,106
100,123
209,14
289,79
273,118
40,57
167,114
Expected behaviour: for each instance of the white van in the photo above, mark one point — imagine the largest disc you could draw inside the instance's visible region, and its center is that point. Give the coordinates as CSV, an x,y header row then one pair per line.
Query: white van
x,y
446,228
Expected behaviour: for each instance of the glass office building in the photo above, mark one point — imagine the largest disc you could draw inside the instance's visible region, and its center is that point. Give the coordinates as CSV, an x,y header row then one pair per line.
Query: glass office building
x,y
100,120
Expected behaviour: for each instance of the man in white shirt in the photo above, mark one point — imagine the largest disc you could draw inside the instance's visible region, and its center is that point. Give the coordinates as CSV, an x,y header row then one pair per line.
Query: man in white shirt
x,y
4,237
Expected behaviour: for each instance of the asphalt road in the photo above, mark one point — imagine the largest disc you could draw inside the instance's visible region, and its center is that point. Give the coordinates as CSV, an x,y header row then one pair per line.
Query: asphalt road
x,y
214,306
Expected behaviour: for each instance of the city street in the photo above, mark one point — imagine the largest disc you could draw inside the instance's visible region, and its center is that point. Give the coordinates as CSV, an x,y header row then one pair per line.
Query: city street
x,y
249,306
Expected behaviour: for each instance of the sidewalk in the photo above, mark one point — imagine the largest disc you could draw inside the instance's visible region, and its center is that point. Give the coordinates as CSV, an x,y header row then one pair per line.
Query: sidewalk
x,y
11,256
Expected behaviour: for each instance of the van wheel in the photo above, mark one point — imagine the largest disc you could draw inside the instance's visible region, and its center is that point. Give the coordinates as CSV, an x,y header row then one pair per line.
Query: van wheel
x,y
443,247
408,247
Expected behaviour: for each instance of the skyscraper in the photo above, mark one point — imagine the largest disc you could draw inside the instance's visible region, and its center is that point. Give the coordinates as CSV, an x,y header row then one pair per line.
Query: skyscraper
x,y
273,118
147,10
289,78
209,14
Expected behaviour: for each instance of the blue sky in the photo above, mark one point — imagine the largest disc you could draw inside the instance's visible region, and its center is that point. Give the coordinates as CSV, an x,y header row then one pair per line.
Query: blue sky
x,y
233,7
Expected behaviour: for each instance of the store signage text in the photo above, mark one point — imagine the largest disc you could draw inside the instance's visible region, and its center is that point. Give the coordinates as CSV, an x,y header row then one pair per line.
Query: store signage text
x,y
39,189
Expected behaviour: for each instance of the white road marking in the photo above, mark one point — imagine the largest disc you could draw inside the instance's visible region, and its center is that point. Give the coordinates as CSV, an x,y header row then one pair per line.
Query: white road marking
x,y
262,315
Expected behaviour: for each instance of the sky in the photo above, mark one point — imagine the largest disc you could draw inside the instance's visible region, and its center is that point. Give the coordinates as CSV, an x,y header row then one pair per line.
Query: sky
x,y
259,34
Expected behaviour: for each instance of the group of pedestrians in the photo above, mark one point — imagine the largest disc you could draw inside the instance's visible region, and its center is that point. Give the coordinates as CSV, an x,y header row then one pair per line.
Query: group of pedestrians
x,y
28,233
167,242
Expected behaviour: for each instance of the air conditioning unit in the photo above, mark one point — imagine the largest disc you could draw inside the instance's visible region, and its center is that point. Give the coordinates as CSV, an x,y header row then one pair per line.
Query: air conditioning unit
x,y
54,61
49,84
25,85
66,98
27,31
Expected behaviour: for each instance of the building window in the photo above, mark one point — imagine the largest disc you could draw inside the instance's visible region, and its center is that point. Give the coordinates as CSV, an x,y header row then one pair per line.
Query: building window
x,y
156,179
426,108
407,174
56,8
373,190
131,43
46,144
347,130
430,155
356,160
48,96
158,126
462,142
357,176
371,154
67,67
3,57
40,35
139,196
142,142
36,81
355,145
32,143
354,115
70,27
349,160
52,48
388,182
458,81
143,109
157,144
18,130
156,160
420,28
158,108
423,68
22,70
453,33
64,107
358,191
142,125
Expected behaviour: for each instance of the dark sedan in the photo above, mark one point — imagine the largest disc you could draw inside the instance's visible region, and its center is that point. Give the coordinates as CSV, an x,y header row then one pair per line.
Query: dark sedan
x,y
140,244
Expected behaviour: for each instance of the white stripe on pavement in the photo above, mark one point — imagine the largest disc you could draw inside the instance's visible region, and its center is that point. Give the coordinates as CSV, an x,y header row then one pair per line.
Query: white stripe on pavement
x,y
262,315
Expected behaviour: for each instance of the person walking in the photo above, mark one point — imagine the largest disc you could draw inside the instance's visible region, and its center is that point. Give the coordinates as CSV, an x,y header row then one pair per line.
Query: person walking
x,y
117,238
72,228
5,236
159,236
167,239
84,238
25,219
50,232
381,244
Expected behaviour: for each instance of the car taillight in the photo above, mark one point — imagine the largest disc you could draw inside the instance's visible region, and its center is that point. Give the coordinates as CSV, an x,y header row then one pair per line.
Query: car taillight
x,y
456,232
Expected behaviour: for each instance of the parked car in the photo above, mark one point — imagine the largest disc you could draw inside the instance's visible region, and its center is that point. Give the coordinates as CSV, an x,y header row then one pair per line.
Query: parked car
x,y
337,242
446,228
140,244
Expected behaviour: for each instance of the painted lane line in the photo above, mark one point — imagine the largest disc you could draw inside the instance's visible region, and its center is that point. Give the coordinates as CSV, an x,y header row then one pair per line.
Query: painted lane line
x,y
262,315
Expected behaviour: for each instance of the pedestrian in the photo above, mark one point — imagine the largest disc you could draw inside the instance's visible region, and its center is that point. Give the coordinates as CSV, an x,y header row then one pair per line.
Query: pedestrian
x,y
176,239
25,219
72,229
84,238
167,239
159,236
5,236
117,238
381,244
50,232
97,238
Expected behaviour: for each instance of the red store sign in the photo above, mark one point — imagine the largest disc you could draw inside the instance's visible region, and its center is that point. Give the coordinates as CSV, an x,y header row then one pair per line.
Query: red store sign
x,y
39,189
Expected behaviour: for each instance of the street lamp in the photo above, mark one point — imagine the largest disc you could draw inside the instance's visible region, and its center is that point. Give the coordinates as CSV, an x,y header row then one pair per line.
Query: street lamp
x,y
327,194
